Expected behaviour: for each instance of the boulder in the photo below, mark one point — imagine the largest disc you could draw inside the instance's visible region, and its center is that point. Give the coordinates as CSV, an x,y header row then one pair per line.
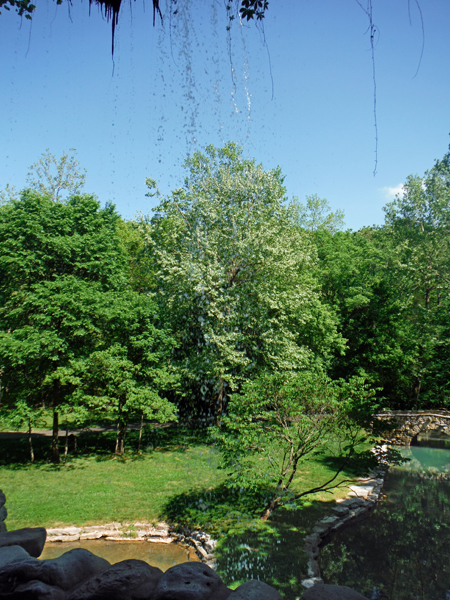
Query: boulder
x,y
72,568
3,527
222,593
10,553
2,498
126,580
31,539
65,572
323,591
188,581
3,513
255,590
36,590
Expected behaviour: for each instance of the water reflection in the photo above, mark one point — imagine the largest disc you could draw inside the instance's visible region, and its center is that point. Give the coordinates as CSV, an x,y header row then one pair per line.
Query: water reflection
x,y
402,551
163,556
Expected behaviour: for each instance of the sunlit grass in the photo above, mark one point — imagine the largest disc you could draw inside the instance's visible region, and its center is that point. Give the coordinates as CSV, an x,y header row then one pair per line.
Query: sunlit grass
x,y
175,478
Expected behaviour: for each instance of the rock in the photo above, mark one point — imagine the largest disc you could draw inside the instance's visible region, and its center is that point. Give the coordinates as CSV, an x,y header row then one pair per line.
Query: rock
x,y
188,581
323,591
2,498
36,590
64,572
3,527
127,580
3,513
72,568
31,539
221,594
255,590
10,553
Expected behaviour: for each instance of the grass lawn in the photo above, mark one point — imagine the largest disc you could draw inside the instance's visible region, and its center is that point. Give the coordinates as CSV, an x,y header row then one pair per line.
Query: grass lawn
x,y
176,479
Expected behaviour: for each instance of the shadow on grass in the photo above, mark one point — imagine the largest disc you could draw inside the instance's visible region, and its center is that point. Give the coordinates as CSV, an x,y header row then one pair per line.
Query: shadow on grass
x,y
99,446
357,466
249,548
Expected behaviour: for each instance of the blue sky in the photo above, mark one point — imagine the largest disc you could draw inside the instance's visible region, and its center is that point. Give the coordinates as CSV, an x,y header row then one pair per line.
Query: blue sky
x,y
298,95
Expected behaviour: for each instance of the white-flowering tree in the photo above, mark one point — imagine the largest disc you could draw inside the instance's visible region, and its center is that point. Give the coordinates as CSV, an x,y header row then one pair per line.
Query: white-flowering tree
x,y
235,277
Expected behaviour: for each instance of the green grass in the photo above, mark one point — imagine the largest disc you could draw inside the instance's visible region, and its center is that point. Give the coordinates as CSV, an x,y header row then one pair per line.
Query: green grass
x,y
175,478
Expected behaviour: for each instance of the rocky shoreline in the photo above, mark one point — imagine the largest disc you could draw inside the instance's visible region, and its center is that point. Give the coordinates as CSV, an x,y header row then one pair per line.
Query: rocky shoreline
x,y
360,502
162,533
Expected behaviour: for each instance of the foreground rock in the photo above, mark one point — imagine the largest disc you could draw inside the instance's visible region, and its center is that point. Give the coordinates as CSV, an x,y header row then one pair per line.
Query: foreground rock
x,y
62,573
31,539
189,581
255,590
10,553
127,580
331,592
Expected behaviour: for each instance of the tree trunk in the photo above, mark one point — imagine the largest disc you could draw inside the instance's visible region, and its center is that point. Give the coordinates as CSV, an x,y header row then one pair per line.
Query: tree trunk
x,y
55,448
140,432
66,445
30,441
120,438
273,504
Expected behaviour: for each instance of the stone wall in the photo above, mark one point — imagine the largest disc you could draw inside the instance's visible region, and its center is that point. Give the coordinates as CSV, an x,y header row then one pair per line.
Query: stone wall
x,y
404,426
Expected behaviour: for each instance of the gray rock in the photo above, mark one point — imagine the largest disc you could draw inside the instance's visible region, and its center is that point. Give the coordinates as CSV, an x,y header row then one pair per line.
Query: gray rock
x,y
221,594
36,590
3,527
72,568
10,553
2,498
188,581
3,513
127,580
255,590
66,571
323,591
31,539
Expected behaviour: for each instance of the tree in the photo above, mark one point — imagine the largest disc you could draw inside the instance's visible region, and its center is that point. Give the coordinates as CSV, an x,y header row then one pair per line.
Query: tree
x,y
361,288
418,224
64,298
49,176
129,374
235,276
317,215
280,420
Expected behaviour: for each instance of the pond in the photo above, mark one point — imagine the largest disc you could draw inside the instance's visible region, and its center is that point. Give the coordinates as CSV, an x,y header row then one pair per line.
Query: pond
x,y
402,551
159,555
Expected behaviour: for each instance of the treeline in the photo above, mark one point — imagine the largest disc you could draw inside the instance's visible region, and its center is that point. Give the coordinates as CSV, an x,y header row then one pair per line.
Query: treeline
x,y
225,283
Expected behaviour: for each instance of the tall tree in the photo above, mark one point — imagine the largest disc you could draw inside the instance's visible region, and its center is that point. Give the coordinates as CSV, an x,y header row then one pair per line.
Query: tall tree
x,y
418,222
63,297
235,276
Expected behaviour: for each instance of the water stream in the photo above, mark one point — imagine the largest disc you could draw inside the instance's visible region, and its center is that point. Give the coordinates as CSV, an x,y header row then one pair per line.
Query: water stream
x,y
402,551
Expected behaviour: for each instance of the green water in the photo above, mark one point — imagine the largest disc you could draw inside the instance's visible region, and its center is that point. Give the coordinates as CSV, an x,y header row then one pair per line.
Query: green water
x,y
402,551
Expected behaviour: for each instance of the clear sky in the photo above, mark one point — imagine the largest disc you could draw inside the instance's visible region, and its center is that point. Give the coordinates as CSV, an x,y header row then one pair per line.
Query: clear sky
x,y
298,95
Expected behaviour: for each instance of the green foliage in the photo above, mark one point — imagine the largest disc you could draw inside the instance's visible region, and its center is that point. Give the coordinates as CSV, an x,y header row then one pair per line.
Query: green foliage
x,y
236,276
282,420
69,328
418,225
317,215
